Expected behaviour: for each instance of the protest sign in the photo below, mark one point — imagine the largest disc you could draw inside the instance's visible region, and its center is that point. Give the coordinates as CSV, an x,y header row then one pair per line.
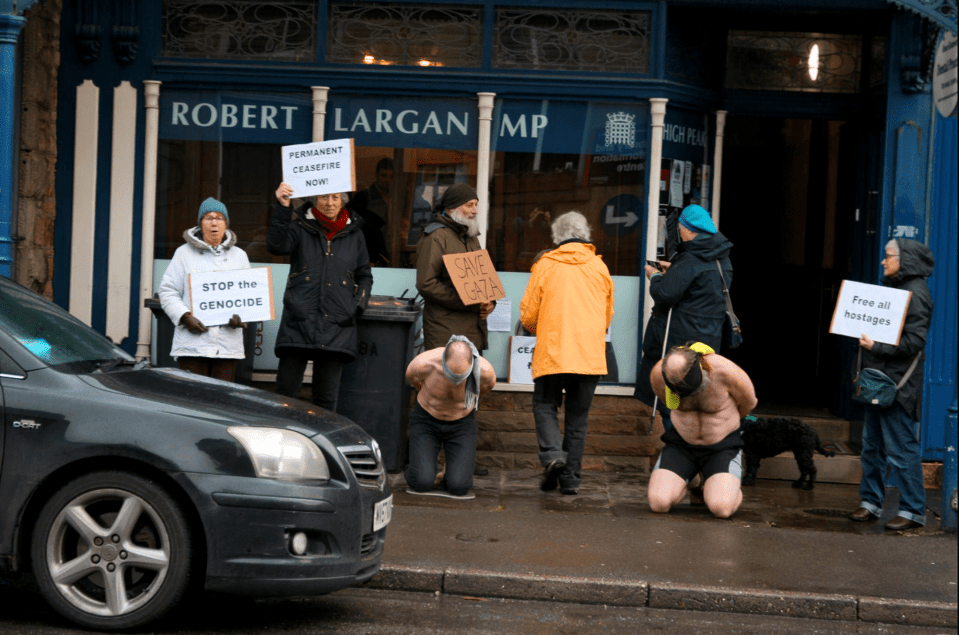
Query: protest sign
x,y
521,359
870,309
324,167
215,296
474,277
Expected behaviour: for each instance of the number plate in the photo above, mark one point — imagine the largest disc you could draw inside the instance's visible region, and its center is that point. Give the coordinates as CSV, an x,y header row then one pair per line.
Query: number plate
x,y
382,513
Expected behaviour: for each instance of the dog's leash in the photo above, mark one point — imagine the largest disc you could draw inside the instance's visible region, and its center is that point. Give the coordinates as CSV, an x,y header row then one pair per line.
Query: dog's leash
x,y
652,417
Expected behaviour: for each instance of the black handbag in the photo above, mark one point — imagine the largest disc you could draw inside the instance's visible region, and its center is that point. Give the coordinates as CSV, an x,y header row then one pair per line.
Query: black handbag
x,y
876,388
732,331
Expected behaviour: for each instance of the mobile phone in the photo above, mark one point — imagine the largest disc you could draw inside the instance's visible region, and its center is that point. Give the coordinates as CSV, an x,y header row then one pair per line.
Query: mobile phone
x,y
655,265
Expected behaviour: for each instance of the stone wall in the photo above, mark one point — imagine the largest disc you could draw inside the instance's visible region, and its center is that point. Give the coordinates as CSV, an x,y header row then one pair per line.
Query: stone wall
x,y
38,147
618,438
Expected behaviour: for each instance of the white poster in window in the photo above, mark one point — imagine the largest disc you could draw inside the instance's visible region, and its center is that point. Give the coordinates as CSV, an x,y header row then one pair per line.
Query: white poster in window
x,y
688,177
704,189
499,319
324,167
521,359
676,184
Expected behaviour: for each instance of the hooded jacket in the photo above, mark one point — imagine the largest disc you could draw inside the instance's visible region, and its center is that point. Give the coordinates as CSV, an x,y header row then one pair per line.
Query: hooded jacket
x,y
916,263
693,289
329,282
196,256
444,314
568,305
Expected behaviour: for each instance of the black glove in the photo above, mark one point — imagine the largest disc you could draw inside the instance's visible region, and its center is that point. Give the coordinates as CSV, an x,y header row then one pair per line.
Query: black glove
x,y
361,302
192,324
235,322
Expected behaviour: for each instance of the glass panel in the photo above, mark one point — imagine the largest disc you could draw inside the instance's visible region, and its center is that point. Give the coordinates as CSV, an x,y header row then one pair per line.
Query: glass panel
x,y
554,157
247,29
405,34
572,40
806,62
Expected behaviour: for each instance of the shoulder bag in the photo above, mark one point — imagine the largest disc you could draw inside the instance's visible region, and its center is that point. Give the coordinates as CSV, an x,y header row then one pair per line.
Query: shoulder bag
x,y
732,332
875,387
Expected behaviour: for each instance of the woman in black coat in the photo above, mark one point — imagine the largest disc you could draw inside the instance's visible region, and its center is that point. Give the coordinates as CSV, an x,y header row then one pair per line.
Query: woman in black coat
x,y
890,436
329,286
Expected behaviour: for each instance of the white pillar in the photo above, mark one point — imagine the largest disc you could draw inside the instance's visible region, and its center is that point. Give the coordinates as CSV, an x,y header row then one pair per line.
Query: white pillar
x,y
657,111
320,97
483,162
151,95
718,163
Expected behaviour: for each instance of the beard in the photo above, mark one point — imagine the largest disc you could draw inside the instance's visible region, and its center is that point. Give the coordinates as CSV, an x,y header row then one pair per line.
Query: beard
x,y
472,224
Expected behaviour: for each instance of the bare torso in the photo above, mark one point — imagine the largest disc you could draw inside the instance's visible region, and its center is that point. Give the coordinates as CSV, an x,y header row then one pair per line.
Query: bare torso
x,y
709,417
437,395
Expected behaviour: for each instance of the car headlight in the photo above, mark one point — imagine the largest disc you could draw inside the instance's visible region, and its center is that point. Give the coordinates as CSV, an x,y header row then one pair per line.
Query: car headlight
x,y
282,454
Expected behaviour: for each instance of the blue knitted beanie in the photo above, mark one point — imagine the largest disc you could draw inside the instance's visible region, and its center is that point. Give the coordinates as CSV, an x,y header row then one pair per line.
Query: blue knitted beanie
x,y
696,219
212,205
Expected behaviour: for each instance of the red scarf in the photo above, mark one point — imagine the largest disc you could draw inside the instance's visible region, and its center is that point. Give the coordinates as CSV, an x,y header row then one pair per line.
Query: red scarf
x,y
331,227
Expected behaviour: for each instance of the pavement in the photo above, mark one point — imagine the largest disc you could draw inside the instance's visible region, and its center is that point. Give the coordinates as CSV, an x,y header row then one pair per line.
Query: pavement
x,y
785,552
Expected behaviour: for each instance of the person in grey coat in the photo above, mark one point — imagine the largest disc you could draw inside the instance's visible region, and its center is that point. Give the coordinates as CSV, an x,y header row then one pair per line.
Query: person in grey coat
x,y
890,436
328,288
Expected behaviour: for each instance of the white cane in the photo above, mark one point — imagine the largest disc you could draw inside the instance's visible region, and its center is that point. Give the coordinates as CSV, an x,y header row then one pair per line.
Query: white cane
x,y
652,418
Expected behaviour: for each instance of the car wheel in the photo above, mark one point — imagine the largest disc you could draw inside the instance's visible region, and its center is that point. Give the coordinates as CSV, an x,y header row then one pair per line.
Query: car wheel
x,y
112,550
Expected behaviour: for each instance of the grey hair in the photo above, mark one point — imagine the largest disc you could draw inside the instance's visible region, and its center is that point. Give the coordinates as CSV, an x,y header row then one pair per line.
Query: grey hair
x,y
570,225
895,246
344,197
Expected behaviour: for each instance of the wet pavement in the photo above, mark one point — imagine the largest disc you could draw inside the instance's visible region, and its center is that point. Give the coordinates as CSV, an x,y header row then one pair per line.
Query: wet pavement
x,y
786,552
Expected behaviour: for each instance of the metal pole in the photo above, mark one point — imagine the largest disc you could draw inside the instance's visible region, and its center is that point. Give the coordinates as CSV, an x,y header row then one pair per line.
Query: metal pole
x,y
320,97
949,471
10,27
151,98
657,111
718,163
486,101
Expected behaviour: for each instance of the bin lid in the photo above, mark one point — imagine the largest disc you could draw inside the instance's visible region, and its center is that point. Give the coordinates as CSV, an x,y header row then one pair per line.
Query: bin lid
x,y
387,307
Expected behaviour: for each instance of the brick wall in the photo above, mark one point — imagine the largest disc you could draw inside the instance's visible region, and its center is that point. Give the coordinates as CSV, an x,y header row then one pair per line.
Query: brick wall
x,y
617,440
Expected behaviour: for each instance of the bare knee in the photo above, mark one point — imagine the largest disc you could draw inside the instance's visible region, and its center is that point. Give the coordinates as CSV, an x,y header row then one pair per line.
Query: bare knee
x,y
722,509
659,502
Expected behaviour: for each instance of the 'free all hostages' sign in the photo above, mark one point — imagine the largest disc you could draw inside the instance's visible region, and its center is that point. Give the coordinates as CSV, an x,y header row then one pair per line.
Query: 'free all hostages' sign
x,y
474,277
216,296
324,167
870,309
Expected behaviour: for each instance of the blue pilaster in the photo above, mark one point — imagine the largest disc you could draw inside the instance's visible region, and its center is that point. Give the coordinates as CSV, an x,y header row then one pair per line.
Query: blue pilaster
x,y
10,27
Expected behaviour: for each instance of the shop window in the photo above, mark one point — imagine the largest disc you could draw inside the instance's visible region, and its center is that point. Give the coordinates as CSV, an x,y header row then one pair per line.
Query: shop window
x,y
803,62
572,40
405,34
240,29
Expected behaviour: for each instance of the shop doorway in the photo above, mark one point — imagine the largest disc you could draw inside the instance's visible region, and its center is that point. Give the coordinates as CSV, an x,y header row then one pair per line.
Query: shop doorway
x,y
790,195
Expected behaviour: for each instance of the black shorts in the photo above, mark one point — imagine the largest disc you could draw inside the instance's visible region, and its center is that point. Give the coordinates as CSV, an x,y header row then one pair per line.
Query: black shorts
x,y
685,459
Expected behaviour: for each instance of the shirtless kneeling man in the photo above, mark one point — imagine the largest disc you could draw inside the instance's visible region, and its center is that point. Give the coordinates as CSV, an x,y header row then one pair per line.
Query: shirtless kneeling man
x,y
708,395
450,380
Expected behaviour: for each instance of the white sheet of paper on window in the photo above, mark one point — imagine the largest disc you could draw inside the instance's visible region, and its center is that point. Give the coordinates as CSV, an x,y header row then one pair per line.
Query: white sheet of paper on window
x,y
676,184
499,319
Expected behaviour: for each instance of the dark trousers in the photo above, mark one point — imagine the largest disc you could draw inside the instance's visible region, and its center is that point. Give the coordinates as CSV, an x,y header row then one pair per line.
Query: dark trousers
x,y
458,440
209,366
547,399
327,371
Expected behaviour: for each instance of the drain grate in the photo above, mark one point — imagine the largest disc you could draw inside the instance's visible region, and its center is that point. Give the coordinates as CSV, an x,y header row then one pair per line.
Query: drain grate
x,y
831,513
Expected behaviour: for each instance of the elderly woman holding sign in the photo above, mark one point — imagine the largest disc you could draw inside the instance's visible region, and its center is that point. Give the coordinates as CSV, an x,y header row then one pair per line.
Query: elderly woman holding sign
x,y
329,286
210,246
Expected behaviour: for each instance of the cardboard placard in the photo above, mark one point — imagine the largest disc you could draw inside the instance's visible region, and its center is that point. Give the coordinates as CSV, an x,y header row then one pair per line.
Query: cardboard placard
x,y
474,277
877,311
521,359
215,296
324,167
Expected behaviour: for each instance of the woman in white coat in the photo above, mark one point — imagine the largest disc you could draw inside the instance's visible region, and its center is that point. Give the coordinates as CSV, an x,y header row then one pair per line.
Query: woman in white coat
x,y
212,351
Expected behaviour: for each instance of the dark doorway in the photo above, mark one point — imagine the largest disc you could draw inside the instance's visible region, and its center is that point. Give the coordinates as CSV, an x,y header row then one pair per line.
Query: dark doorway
x,y
789,190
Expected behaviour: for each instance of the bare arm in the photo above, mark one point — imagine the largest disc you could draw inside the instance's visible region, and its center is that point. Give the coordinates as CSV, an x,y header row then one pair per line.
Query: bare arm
x,y
420,368
741,387
656,380
487,376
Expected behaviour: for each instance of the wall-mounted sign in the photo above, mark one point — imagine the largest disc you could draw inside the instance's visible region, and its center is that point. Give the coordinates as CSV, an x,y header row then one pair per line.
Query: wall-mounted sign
x,y
945,90
235,117
870,309
323,167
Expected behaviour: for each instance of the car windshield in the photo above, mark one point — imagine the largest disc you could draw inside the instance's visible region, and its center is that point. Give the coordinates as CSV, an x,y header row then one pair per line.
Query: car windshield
x,y
50,333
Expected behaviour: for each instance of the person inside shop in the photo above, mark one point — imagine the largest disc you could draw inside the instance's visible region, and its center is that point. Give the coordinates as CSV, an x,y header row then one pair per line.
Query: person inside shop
x,y
449,381
890,436
327,289
372,204
708,395
212,351
690,285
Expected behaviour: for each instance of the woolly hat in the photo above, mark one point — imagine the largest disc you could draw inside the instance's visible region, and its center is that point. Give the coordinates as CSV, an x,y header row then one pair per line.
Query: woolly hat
x,y
212,205
696,219
455,195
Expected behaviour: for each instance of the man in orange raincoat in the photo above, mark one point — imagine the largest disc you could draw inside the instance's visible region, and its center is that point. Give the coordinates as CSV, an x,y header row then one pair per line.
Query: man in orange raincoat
x,y
568,306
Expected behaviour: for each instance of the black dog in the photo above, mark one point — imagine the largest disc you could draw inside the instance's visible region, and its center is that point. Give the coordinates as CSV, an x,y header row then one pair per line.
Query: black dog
x,y
768,436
